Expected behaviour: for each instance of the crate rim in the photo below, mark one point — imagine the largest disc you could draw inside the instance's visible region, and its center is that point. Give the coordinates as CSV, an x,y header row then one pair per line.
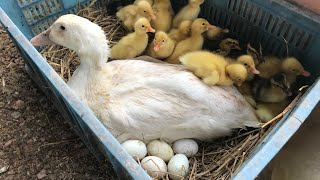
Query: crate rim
x,y
104,136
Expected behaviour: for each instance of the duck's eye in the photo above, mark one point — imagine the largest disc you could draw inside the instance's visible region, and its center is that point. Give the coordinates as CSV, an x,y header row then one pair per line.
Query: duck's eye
x,y
144,11
245,64
143,26
62,28
162,40
203,24
294,70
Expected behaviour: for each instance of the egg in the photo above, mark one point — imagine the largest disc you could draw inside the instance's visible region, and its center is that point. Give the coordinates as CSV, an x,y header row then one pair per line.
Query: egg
x,y
136,148
188,147
178,167
154,166
160,149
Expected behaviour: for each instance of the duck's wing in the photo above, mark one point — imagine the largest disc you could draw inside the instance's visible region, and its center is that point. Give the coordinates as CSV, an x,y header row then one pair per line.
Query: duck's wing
x,y
163,100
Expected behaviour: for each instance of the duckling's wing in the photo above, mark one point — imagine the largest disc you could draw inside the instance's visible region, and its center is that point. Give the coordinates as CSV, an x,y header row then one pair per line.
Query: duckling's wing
x,y
165,101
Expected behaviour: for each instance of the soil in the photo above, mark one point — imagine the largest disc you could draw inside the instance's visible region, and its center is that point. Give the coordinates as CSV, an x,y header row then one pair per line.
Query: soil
x,y
35,141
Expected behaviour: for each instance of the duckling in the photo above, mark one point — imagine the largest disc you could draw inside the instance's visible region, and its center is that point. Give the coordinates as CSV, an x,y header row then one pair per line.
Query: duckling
x,y
293,68
267,111
137,1
182,32
216,33
271,90
134,43
226,45
163,14
188,12
246,91
249,63
193,43
162,46
131,13
213,69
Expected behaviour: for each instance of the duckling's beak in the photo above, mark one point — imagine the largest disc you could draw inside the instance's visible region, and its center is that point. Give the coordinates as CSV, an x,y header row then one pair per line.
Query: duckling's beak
x,y
211,26
156,47
236,47
305,73
42,39
254,70
152,16
150,29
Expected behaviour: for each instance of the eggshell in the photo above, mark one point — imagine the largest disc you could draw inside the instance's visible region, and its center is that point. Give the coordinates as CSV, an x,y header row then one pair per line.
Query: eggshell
x,y
188,147
178,167
136,148
160,149
154,166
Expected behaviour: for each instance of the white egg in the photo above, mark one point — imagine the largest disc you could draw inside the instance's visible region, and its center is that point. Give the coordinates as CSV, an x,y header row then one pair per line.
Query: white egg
x,y
178,167
136,148
154,166
160,149
188,147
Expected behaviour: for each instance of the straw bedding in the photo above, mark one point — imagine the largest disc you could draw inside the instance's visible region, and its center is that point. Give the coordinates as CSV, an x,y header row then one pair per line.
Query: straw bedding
x,y
218,160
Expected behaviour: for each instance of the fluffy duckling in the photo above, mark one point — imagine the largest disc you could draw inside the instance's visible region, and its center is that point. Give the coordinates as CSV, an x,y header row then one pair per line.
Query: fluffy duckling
x,y
182,32
163,21
189,12
290,66
131,13
267,111
193,43
215,34
137,1
271,90
162,46
249,63
213,69
134,43
226,45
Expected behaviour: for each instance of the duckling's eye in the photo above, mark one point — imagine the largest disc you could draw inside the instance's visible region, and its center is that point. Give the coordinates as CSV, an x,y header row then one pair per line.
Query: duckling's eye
x,y
144,11
162,40
203,24
245,64
62,28
294,70
142,26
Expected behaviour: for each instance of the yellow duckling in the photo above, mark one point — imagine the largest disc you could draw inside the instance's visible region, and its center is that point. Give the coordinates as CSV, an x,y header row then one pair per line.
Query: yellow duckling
x,y
134,43
213,68
226,45
271,90
162,46
189,12
131,13
216,33
267,111
249,63
290,66
137,1
193,43
182,32
163,21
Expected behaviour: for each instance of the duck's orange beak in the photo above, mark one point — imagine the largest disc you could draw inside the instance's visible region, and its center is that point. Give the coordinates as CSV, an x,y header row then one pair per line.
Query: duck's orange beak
x,y
150,29
211,26
42,39
254,70
305,73
156,47
152,16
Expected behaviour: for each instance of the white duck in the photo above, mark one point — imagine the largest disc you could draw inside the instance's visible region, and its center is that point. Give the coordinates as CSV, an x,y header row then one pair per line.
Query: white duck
x,y
143,100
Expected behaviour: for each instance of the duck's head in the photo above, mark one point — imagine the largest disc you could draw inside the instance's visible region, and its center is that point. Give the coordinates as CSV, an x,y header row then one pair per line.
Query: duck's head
x,y
146,10
229,44
237,73
280,80
76,33
185,27
160,39
292,66
248,62
143,26
201,25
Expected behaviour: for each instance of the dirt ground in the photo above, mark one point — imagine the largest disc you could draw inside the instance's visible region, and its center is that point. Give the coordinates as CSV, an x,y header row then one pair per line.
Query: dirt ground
x,y
35,141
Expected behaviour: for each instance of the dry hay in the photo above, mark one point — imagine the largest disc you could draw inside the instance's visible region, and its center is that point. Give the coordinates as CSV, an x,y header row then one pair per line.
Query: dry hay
x,y
218,160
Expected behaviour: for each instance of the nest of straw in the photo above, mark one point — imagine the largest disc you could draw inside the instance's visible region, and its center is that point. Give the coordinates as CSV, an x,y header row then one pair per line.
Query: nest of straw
x,y
218,160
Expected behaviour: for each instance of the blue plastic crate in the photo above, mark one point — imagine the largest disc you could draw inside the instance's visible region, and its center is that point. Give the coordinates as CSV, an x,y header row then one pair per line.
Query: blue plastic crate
x,y
254,21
